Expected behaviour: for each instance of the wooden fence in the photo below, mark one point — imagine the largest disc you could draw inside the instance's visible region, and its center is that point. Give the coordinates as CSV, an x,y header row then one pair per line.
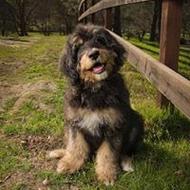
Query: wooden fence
x,y
162,74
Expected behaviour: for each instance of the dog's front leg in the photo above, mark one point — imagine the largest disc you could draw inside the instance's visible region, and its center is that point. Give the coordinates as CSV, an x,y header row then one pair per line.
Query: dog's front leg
x,y
106,164
76,153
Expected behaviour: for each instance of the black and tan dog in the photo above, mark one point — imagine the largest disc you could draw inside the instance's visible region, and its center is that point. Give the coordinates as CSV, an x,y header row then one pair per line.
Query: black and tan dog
x,y
98,117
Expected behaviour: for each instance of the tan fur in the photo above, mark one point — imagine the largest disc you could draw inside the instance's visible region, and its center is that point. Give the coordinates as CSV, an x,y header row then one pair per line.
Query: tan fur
x,y
76,153
90,119
97,113
77,40
87,63
56,153
127,164
109,114
106,164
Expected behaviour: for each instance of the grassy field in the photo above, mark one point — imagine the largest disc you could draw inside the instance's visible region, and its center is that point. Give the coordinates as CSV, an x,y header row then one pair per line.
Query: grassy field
x,y
32,122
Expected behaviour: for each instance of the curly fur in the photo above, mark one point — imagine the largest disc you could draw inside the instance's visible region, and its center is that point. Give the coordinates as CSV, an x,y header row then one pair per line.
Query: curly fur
x,y
97,109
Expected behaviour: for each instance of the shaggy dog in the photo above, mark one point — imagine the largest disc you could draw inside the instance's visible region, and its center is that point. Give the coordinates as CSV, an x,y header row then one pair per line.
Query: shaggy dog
x,y
98,117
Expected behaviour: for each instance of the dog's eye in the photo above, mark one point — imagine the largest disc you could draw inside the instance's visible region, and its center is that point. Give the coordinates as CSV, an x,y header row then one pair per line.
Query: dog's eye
x,y
101,40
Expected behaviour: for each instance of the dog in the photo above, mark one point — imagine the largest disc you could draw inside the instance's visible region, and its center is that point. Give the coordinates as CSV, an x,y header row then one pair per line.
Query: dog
x,y
98,117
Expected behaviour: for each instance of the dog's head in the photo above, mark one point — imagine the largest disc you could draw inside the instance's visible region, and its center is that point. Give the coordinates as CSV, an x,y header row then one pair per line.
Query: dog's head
x,y
91,55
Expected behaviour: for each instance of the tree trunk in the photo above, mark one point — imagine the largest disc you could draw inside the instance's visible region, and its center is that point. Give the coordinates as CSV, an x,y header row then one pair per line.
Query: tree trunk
x,y
3,27
155,20
117,21
159,18
108,18
22,18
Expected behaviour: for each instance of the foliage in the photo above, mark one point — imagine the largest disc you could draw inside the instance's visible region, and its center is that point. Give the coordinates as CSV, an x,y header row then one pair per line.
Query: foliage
x,y
60,16
45,15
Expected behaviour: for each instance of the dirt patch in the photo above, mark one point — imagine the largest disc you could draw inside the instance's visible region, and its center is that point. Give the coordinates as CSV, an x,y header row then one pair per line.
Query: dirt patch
x,y
16,43
10,68
22,93
37,147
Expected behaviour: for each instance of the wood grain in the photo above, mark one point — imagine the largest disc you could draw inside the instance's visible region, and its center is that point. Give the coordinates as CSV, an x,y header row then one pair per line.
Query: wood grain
x,y
104,4
175,87
80,5
170,37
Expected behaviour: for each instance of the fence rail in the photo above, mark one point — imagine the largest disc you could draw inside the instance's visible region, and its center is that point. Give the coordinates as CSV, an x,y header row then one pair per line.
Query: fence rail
x,y
81,4
172,85
175,87
105,4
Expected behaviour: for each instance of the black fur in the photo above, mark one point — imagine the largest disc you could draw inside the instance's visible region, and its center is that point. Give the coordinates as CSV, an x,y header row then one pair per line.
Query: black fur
x,y
110,93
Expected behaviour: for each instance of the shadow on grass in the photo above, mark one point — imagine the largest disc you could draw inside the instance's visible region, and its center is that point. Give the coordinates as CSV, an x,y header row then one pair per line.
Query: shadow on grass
x,y
184,61
154,44
185,49
183,73
168,126
162,166
184,55
147,49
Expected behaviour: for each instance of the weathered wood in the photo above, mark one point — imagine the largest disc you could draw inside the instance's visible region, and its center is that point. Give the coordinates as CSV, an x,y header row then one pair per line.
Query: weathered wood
x,y
81,4
80,9
170,37
175,87
108,18
104,4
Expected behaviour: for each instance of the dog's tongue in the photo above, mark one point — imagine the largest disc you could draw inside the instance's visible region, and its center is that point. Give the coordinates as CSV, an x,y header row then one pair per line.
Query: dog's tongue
x,y
98,69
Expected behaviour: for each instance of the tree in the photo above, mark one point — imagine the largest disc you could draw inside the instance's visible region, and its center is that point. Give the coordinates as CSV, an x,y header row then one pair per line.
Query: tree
x,y
6,23
186,20
21,12
136,19
155,20
57,15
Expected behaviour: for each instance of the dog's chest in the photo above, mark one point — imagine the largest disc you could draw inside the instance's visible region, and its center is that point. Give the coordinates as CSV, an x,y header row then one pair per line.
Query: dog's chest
x,y
94,120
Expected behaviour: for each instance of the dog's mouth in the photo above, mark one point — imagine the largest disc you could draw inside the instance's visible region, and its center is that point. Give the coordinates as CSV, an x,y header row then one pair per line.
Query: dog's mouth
x,y
98,68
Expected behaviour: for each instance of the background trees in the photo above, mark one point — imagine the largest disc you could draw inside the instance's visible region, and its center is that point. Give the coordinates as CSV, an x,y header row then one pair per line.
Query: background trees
x,y
48,16
137,19
18,12
44,16
145,18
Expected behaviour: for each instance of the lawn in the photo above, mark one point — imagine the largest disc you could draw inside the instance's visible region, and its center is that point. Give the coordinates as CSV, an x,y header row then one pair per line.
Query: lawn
x,y
32,122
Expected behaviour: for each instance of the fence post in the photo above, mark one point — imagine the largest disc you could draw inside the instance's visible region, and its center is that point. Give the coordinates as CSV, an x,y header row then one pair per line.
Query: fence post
x,y
117,21
170,38
108,18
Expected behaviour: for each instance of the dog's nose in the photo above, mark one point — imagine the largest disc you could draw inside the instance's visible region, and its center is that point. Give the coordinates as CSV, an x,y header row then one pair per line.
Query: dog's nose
x,y
94,54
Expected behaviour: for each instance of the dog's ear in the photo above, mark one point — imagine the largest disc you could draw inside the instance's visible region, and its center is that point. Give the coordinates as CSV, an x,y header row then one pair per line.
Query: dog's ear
x,y
120,51
116,47
68,62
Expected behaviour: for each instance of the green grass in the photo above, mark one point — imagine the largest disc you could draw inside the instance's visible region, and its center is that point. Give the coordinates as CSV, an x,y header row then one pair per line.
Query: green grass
x,y
163,161
152,48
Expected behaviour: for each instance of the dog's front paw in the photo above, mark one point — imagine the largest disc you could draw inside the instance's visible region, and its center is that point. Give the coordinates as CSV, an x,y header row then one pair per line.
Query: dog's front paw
x,y
107,177
69,164
59,153
127,164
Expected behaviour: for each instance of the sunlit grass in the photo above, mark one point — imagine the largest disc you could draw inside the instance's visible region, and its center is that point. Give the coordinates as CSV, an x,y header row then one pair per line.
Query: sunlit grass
x,y
162,162
152,48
